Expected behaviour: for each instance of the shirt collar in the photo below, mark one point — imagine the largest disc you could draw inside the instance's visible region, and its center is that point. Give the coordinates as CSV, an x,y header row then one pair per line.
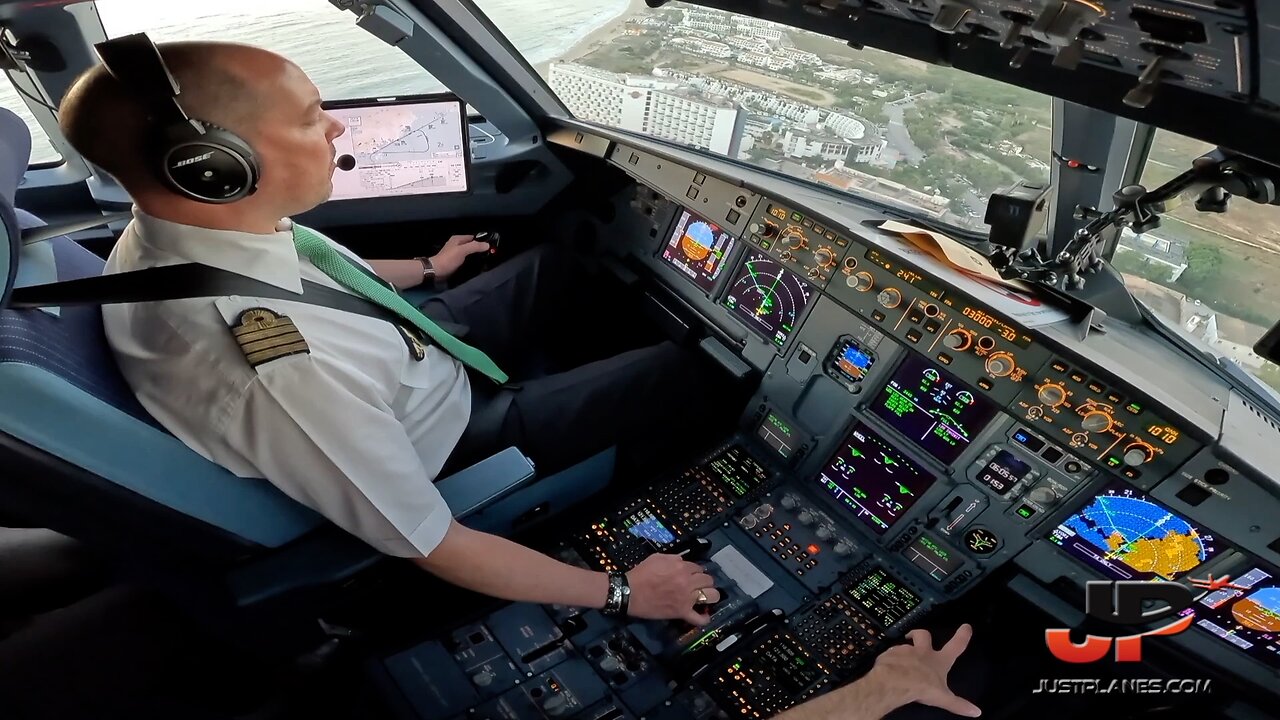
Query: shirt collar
x,y
268,257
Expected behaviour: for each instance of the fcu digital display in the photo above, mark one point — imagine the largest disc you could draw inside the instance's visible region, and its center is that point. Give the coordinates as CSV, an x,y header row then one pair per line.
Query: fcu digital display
x,y
1126,535
1245,614
768,298
698,248
875,481
933,408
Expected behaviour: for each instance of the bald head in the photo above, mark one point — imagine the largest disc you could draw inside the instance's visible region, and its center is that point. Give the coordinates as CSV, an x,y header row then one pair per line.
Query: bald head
x,y
110,124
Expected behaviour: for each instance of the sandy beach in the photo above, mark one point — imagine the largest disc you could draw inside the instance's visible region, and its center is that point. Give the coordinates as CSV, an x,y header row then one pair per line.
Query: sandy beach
x,y
601,36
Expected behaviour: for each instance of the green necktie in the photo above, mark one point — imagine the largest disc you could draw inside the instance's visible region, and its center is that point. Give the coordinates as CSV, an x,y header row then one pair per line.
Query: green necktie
x,y
313,246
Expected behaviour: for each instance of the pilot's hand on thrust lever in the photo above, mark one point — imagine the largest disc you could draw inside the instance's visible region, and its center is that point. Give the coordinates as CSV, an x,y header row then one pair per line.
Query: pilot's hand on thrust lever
x,y
667,587
454,253
919,672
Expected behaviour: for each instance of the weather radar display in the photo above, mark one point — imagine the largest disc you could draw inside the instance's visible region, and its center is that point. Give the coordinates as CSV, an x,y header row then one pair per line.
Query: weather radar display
x,y
768,297
870,477
1128,536
698,249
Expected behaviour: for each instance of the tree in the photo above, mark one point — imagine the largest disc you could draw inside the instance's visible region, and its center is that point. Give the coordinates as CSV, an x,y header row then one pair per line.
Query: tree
x,y
1204,263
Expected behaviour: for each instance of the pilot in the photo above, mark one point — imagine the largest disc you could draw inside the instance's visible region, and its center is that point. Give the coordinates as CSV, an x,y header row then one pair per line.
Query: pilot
x,y
349,414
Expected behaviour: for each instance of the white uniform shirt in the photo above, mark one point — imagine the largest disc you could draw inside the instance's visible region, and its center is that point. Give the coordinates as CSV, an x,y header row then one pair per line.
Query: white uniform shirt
x,y
355,429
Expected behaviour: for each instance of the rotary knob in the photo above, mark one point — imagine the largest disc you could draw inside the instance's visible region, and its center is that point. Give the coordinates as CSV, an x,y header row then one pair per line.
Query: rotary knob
x,y
1052,394
747,521
861,281
556,705
825,533
610,664
889,297
824,257
755,228
484,678
958,339
1138,453
769,230
1043,496
764,511
806,517
1000,364
844,548
785,255
1096,421
789,502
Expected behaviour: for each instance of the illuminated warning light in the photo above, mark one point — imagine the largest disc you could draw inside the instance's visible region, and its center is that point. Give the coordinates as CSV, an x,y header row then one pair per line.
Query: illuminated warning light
x,y
813,549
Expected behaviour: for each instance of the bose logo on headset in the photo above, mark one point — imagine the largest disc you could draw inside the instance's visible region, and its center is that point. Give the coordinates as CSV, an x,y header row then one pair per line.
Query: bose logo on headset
x,y
195,159
223,169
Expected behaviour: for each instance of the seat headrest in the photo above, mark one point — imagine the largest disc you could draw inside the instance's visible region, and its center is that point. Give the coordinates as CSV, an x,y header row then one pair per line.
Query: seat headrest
x,y
15,153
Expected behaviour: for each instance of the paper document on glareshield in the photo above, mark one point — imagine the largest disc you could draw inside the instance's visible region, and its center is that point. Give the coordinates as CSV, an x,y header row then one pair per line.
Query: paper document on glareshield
x,y
948,250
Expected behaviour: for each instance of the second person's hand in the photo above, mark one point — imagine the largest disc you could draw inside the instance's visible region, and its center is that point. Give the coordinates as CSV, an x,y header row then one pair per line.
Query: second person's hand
x,y
666,587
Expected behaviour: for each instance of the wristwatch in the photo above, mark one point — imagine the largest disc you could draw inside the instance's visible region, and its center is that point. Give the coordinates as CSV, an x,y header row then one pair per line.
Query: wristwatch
x,y
428,270
619,595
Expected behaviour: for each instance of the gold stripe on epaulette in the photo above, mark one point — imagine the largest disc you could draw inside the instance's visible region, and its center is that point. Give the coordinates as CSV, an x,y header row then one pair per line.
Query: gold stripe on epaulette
x,y
264,336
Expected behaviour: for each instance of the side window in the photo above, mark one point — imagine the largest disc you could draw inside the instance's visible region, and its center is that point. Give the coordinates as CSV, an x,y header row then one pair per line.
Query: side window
x,y
343,60
42,152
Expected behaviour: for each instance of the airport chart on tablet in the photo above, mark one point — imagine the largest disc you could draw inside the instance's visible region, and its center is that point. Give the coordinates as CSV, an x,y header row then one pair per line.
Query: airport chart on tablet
x,y
407,149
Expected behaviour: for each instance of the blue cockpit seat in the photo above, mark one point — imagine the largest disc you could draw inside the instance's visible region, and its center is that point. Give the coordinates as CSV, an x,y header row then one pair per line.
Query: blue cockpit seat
x,y
81,456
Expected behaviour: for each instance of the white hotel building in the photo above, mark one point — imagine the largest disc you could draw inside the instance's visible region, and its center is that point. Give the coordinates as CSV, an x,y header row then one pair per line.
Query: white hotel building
x,y
651,106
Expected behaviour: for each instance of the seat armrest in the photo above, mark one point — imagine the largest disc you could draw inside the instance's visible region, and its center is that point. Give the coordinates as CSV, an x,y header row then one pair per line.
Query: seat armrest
x,y
475,488
330,556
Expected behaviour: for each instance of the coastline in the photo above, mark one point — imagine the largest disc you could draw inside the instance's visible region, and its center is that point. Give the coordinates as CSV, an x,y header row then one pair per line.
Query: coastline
x,y
602,35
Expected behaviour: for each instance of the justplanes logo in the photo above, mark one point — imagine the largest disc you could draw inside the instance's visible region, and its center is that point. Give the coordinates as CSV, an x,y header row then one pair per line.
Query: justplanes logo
x,y
1121,602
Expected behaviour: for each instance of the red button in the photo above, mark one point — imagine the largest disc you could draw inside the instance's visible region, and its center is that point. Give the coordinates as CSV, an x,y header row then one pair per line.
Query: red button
x,y
813,549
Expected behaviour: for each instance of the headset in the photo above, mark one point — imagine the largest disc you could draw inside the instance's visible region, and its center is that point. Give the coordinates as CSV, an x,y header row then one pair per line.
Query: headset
x,y
195,158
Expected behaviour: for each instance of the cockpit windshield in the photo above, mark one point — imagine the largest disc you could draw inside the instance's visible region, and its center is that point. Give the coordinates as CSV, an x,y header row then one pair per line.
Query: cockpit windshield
x,y
1213,274
933,141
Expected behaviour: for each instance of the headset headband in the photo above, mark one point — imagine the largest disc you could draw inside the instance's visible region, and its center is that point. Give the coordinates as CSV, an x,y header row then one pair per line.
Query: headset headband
x,y
135,62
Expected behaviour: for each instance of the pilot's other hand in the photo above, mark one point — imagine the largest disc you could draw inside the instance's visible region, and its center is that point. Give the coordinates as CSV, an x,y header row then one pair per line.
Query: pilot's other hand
x,y
666,587
920,673
455,251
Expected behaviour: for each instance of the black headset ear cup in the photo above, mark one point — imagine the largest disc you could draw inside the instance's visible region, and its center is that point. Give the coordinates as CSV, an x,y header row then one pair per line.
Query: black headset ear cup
x,y
213,166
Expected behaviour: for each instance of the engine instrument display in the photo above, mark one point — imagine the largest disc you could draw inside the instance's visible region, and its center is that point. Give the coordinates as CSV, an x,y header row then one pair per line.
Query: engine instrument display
x,y
1126,535
698,248
870,477
933,408
1245,614
768,297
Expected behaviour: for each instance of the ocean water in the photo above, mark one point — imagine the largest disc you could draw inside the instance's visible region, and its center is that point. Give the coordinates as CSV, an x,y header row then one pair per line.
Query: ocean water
x,y
343,60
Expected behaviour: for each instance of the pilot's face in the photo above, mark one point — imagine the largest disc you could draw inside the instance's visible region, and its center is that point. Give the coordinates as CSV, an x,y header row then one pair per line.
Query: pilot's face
x,y
294,143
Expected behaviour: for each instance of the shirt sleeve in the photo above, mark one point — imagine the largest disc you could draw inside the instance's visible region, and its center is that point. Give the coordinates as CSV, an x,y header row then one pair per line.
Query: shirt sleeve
x,y
325,438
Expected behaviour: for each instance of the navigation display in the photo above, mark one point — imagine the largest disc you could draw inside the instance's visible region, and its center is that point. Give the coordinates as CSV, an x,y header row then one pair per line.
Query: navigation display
x,y
874,480
768,297
933,408
402,146
1126,535
698,248
1245,614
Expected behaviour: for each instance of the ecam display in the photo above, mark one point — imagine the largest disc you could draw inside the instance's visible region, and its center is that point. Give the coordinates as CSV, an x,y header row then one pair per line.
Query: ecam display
x,y
933,408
